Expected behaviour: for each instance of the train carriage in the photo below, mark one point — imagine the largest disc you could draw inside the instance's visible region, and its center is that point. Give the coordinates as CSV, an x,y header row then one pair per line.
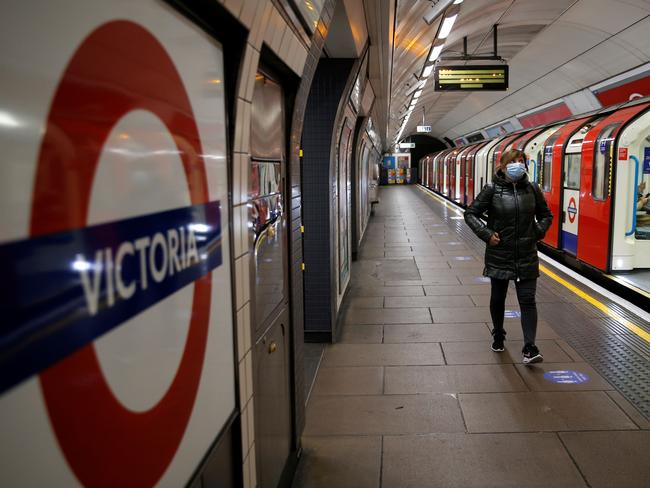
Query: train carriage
x,y
590,168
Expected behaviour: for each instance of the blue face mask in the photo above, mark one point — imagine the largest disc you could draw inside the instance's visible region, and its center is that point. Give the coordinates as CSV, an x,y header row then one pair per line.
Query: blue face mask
x,y
516,171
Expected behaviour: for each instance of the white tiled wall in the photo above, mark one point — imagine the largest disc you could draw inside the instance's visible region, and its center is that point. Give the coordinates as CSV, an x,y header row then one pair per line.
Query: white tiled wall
x,y
266,26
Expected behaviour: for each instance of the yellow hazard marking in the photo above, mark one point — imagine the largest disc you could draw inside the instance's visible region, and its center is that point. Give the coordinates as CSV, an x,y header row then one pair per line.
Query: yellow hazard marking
x,y
599,305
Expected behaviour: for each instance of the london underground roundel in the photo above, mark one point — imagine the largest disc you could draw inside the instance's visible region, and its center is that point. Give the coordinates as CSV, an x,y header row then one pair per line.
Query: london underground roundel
x,y
74,282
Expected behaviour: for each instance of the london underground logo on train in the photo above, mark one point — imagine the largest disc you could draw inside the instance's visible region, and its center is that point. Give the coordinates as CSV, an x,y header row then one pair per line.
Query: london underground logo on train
x,y
572,209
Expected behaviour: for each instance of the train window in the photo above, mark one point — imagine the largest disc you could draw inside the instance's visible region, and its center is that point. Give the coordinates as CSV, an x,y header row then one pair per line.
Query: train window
x,y
547,166
603,150
572,171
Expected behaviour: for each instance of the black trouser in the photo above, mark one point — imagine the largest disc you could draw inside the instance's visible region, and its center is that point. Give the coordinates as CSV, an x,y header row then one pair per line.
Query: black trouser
x,y
526,296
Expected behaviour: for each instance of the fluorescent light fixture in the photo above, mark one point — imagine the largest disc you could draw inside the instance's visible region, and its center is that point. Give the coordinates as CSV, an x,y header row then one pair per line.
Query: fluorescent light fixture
x,y
8,120
458,1
447,24
427,71
417,94
435,11
435,52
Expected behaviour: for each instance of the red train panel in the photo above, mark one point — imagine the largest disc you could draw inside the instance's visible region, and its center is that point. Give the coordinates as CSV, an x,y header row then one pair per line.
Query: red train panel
x,y
595,223
554,193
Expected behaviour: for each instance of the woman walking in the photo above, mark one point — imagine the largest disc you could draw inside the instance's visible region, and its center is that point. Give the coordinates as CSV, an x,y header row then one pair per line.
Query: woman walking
x,y
517,217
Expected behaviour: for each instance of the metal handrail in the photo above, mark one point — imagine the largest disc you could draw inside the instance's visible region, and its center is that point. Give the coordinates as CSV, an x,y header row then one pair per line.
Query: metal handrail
x,y
636,186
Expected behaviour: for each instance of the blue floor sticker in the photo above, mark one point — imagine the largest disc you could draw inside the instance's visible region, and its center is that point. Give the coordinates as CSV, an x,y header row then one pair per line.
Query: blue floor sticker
x,y
512,314
566,377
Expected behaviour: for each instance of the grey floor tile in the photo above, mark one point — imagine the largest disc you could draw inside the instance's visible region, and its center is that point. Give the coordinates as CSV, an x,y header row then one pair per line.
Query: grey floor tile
x,y
467,265
534,376
484,301
515,333
477,279
430,279
573,354
362,334
371,253
457,289
432,267
387,316
395,252
542,411
611,459
349,381
386,414
433,258
480,352
630,410
339,461
452,379
453,315
429,301
365,302
389,291
436,333
477,461
382,354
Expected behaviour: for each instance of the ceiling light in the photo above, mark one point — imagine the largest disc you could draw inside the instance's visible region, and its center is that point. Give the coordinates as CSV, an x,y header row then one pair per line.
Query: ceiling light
x,y
458,1
446,26
417,94
427,71
434,12
435,52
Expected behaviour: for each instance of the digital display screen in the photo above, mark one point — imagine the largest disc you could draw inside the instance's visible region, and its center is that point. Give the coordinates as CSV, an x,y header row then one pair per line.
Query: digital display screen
x,y
471,78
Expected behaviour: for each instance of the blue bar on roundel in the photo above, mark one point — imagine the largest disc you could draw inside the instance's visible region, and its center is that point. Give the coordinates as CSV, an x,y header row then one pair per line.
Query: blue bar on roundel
x,y
62,291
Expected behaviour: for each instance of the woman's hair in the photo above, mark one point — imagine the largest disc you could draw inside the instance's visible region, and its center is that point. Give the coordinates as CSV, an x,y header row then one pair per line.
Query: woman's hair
x,y
511,155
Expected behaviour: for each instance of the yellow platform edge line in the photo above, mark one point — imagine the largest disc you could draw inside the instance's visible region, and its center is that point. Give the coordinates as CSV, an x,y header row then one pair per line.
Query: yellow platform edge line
x,y
585,296
596,303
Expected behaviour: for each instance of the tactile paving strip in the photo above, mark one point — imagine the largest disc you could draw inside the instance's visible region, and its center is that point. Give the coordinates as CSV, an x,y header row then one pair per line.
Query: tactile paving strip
x,y
620,356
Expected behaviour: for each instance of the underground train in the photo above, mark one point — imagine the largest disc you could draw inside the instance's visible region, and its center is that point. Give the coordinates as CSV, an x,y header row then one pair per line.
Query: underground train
x,y
594,170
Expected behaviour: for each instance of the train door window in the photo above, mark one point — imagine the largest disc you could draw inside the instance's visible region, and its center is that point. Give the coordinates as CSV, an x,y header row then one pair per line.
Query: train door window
x,y
572,171
267,155
547,166
603,150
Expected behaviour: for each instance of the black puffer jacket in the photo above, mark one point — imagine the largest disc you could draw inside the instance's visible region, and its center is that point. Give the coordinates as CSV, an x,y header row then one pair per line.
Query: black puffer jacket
x,y
511,211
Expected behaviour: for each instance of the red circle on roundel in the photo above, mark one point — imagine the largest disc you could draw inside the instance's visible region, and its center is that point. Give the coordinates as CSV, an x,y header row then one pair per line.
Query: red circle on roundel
x,y
118,68
572,206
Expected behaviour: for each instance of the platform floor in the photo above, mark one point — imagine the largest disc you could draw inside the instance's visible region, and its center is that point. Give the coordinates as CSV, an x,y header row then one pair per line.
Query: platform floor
x,y
412,395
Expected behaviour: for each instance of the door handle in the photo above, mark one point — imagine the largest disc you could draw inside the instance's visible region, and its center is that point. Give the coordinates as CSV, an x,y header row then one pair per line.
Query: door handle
x,y
563,216
273,347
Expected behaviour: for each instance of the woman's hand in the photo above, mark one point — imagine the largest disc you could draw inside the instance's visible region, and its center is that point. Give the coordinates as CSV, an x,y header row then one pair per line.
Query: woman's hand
x,y
494,239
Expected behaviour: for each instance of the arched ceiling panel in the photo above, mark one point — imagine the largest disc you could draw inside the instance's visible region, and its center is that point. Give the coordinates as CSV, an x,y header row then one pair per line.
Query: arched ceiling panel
x,y
553,47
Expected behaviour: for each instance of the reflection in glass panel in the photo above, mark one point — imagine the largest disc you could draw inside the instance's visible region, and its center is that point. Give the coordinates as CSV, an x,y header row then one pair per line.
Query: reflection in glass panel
x,y
310,11
572,168
343,189
268,227
265,179
547,167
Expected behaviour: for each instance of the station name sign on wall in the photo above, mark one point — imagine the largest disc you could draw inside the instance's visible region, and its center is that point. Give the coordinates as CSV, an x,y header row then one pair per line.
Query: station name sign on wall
x,y
471,78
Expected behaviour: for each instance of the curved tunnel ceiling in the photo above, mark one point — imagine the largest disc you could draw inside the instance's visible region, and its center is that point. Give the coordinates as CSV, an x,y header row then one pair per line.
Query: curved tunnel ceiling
x,y
553,47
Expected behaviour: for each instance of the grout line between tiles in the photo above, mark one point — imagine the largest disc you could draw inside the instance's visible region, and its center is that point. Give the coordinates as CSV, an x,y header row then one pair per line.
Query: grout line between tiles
x,y
575,463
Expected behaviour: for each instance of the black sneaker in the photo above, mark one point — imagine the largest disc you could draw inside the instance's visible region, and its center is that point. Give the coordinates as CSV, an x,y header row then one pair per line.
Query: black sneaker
x,y
497,344
532,354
